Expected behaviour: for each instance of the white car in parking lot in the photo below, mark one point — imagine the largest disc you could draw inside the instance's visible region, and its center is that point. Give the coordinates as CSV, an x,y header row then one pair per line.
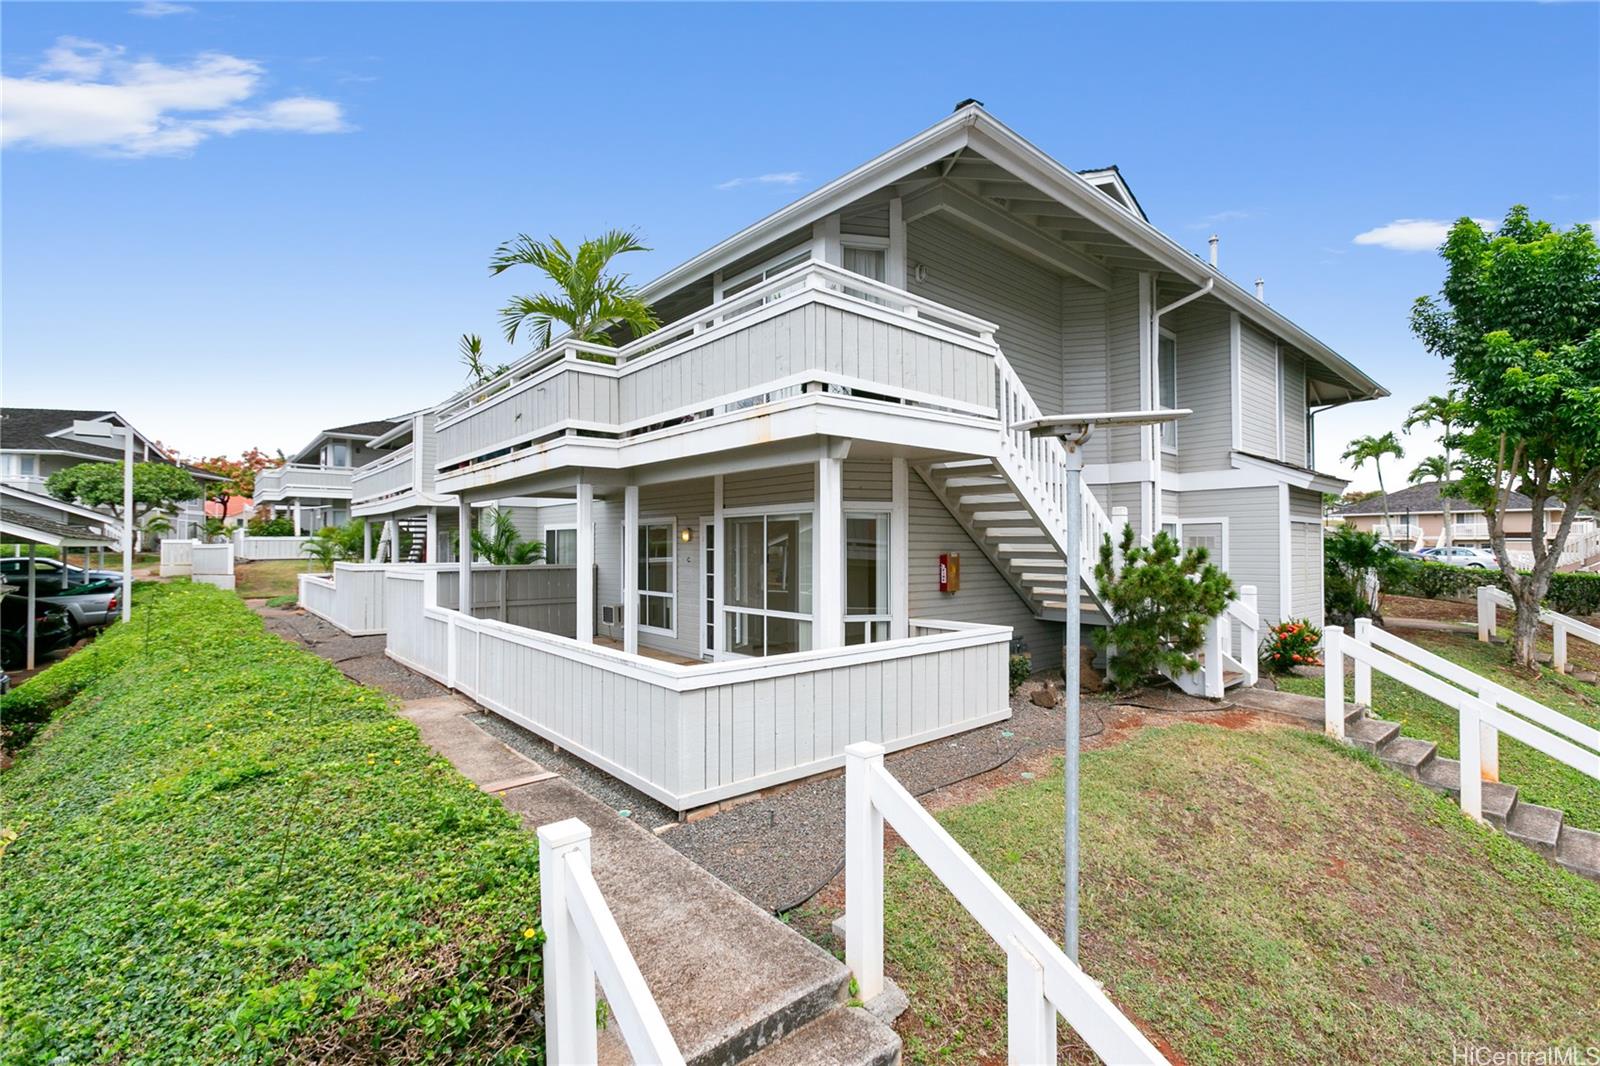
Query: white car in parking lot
x,y
1473,557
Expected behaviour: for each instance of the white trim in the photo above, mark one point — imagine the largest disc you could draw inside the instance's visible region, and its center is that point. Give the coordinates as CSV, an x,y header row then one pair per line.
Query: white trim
x,y
1235,372
895,269
1285,556
1226,552
544,535
1167,334
883,511
899,548
645,522
718,513
709,525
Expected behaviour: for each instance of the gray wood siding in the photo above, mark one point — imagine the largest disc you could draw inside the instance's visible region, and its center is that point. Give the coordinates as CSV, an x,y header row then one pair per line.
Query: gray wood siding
x,y
1258,362
1122,361
1024,300
868,481
1294,408
770,488
1083,354
1252,516
1205,385
866,220
568,393
1304,503
985,596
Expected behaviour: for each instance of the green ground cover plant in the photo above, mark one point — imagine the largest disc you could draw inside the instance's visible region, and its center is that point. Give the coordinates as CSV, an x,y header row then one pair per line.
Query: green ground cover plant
x,y
226,852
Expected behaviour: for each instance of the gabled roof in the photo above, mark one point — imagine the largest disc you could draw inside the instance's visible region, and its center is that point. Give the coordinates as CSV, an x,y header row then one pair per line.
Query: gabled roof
x,y
34,501
1423,498
970,127
45,429
361,431
31,527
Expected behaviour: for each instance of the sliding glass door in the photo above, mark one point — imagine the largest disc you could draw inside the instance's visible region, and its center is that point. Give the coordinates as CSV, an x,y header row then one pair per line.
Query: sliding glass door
x,y
767,600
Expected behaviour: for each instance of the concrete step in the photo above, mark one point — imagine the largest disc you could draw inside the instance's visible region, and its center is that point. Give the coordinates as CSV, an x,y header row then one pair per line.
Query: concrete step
x,y
1033,563
1536,826
844,1036
1407,755
1370,734
1444,775
1579,851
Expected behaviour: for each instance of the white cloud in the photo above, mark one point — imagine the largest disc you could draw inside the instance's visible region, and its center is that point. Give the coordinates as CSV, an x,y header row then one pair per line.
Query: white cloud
x,y
1231,215
785,177
155,9
1413,234
90,96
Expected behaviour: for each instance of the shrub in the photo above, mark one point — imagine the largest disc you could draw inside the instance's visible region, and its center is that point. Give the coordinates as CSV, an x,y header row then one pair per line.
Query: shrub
x,y
1161,599
275,526
1021,670
1291,644
227,852
1350,558
1575,593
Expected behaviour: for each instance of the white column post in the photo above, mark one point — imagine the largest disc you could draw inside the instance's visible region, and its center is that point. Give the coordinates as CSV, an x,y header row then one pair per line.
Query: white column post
x,y
1558,645
297,518
1250,639
431,549
391,532
1333,682
863,870
1485,613
366,541
1488,737
899,548
1030,1017
1471,760
464,563
828,590
1119,518
1363,669
33,595
569,1000
1212,667
585,574
127,523
630,569
718,634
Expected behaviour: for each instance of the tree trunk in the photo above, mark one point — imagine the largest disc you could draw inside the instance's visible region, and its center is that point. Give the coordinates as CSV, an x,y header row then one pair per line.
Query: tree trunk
x,y
1525,629
1388,523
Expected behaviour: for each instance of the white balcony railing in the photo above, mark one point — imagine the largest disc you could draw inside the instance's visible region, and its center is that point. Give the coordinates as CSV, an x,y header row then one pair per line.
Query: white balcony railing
x,y
815,325
302,479
393,475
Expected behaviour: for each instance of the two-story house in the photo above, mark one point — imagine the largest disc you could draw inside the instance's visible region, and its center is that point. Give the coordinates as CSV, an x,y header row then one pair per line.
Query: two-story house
x,y
803,512
314,486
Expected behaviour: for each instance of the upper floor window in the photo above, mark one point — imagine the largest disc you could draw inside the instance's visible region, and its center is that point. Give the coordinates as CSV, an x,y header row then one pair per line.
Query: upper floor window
x,y
749,279
870,261
1167,386
338,453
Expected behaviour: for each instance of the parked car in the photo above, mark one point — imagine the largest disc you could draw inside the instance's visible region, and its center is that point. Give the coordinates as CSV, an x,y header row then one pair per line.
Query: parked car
x,y
1476,558
52,630
87,606
52,576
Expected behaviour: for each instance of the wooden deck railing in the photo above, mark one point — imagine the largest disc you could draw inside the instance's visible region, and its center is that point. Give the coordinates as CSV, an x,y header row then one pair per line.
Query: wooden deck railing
x,y
391,475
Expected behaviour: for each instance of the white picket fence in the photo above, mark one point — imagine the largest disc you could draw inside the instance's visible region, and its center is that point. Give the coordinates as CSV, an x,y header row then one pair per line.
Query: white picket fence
x,y
176,557
582,942
1582,545
1040,980
260,549
1485,708
1561,626
211,564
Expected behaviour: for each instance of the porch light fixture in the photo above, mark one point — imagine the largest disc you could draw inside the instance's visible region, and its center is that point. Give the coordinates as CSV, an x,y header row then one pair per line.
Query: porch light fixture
x,y
1074,431
686,534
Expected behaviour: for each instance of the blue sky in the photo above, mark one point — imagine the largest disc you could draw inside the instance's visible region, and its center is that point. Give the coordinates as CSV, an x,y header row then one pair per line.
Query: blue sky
x,y
299,201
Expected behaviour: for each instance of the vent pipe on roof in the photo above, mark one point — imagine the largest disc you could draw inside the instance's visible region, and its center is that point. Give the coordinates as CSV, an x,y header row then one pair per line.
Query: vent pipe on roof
x,y
1213,242
967,102
1261,289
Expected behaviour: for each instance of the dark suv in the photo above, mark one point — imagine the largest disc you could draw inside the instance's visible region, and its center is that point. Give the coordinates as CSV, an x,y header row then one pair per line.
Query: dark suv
x,y
52,630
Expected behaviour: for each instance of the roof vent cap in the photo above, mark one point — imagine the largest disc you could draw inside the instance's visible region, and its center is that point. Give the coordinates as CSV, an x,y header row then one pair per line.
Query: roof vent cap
x,y
968,102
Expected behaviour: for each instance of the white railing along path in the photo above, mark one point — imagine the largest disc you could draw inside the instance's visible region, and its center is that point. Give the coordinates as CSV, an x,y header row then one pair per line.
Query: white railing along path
x,y
1040,980
582,942
1561,626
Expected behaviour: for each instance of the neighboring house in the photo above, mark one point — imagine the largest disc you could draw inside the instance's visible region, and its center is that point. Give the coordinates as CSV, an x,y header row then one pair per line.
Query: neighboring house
x,y
313,487
237,513
1417,516
35,442
816,458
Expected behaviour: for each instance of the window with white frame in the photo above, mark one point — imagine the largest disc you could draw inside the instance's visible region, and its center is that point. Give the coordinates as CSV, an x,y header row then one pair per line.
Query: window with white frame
x,y
866,256
767,588
866,577
749,279
561,546
1167,385
657,576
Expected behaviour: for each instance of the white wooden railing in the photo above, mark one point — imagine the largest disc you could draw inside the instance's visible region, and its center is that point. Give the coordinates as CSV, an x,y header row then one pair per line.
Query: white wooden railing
x,y
1232,642
582,943
391,475
1040,980
1484,708
247,548
176,557
1561,626
305,478
1038,464
1581,546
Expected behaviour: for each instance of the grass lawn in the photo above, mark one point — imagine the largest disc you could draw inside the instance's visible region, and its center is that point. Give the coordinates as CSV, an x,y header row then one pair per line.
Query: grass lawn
x,y
220,850
1539,778
1257,896
270,578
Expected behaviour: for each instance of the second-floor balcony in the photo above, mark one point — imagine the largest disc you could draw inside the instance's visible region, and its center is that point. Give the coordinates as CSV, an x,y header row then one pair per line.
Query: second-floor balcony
x,y
814,329
303,480
389,478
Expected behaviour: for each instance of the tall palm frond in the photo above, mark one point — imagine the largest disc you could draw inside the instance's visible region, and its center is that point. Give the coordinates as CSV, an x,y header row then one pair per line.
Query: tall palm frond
x,y
588,299
1375,448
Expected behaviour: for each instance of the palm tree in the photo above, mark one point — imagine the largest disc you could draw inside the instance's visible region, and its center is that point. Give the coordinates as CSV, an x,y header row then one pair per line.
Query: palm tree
x,y
1445,411
589,300
1437,468
1375,448
471,347
503,544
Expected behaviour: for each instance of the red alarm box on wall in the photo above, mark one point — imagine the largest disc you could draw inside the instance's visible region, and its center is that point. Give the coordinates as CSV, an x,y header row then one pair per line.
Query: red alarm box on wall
x,y
950,572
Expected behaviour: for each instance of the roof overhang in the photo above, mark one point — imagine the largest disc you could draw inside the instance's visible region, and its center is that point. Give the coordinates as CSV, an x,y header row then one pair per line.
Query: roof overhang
x,y
1297,476
31,529
54,504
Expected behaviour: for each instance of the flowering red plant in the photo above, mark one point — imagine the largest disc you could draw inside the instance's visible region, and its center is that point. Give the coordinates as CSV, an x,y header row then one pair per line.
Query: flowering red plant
x,y
1291,644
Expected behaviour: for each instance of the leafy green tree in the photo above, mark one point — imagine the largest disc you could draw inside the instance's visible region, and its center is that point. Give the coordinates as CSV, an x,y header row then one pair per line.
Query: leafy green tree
x,y
1518,320
156,487
588,300
1375,448
503,545
1161,598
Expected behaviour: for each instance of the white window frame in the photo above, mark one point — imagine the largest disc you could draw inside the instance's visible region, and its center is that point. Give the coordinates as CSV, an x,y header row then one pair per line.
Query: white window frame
x,y
800,253
725,561
550,541
1170,447
708,604
1179,523
672,559
883,510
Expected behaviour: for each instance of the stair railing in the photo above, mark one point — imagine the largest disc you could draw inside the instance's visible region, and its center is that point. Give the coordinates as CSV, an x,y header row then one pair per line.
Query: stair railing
x,y
1484,708
1042,464
582,941
1040,980
1561,625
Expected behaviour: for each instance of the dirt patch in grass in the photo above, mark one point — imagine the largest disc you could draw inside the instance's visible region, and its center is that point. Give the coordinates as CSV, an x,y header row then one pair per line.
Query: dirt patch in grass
x,y
1253,895
1435,610
271,578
